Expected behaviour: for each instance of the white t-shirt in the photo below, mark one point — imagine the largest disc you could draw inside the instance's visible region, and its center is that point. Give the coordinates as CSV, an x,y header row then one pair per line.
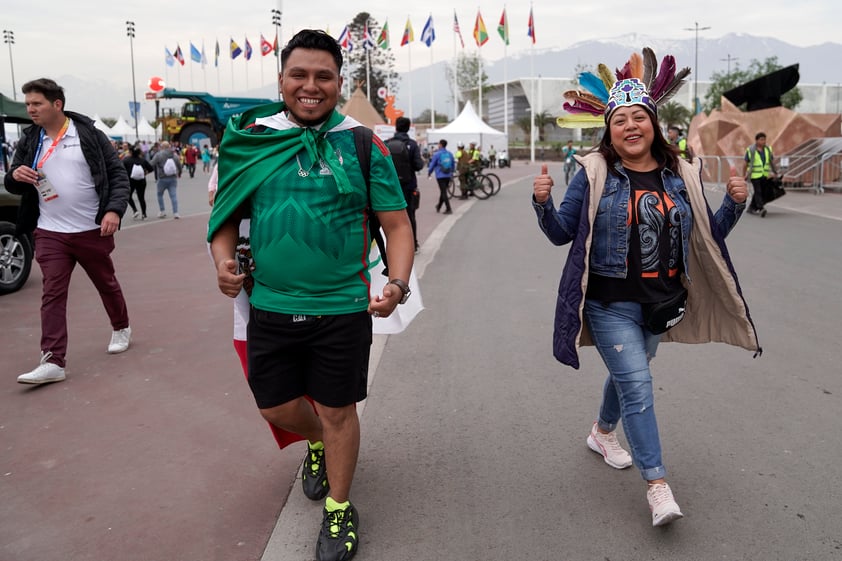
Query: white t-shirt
x,y
75,208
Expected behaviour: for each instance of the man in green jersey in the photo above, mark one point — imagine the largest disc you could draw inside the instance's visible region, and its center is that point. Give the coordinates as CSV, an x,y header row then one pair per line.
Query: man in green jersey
x,y
294,167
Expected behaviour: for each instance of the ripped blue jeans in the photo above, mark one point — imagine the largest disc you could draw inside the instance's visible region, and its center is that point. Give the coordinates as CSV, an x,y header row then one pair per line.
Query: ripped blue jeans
x,y
626,347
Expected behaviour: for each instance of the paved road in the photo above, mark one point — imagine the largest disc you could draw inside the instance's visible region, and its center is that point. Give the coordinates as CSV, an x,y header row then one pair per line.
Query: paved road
x,y
473,436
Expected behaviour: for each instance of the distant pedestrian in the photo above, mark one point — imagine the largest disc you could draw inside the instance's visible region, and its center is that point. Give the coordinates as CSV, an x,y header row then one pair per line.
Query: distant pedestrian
x,y
407,159
138,168
761,169
73,199
206,159
167,166
191,157
443,163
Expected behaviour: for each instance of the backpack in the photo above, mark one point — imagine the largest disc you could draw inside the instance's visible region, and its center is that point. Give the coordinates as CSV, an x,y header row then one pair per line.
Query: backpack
x,y
170,168
138,172
400,158
446,162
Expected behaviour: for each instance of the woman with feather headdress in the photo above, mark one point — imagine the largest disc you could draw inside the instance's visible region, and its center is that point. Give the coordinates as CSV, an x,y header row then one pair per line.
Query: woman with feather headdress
x,y
648,260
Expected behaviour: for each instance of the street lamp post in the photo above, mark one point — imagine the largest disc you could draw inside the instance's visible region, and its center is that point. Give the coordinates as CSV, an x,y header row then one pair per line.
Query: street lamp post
x,y
276,21
696,68
130,34
729,59
9,39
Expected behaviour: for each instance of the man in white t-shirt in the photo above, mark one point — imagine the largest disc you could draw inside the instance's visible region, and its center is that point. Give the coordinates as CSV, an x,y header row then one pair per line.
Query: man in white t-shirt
x,y
74,190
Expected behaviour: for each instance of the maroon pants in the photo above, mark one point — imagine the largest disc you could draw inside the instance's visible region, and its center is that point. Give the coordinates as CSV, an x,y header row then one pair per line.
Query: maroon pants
x,y
57,254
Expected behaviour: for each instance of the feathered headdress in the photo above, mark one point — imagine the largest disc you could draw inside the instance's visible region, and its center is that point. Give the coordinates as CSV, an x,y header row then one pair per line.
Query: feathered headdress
x,y
639,82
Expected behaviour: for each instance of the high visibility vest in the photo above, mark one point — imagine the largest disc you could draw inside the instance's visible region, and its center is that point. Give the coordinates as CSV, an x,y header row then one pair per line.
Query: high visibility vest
x,y
759,167
682,147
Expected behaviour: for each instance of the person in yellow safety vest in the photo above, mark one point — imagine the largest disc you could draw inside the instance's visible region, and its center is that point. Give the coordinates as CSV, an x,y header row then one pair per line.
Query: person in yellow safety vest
x,y
760,168
463,160
674,137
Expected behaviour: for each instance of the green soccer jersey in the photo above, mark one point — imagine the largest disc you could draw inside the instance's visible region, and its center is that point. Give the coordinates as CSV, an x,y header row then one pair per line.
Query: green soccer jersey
x,y
309,241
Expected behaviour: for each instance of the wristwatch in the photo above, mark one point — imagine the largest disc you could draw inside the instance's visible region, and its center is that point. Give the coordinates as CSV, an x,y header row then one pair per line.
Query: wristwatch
x,y
404,289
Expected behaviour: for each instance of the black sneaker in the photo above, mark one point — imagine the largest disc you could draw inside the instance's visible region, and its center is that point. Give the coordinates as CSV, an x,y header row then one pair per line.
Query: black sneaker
x,y
314,475
338,538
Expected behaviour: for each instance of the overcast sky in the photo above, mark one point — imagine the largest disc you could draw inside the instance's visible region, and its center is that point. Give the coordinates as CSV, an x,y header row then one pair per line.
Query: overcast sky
x,y
87,38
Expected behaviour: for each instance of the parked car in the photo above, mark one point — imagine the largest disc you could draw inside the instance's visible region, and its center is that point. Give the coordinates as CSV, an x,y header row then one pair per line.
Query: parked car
x,y
16,252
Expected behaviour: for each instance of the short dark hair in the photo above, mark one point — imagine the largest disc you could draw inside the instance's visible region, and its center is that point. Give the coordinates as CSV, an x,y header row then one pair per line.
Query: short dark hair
x,y
46,87
674,128
759,135
443,143
313,39
402,124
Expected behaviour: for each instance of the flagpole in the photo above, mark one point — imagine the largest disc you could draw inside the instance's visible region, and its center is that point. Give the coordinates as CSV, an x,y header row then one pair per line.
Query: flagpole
x,y
245,58
432,95
409,55
455,75
191,66
532,104
479,81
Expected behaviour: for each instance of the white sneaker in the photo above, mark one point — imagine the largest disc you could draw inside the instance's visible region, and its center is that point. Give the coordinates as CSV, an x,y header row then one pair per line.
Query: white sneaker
x,y
44,373
176,216
662,504
609,447
136,215
162,214
120,340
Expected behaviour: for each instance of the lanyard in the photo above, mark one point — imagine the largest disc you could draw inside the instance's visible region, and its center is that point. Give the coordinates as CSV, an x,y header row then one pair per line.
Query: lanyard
x,y
50,150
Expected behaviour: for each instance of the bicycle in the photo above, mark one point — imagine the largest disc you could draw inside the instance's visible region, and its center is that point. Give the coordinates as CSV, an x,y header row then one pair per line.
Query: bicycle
x,y
477,184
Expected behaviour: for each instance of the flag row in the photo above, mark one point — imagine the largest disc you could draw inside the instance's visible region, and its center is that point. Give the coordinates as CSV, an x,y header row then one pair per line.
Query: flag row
x,y
234,51
367,41
428,34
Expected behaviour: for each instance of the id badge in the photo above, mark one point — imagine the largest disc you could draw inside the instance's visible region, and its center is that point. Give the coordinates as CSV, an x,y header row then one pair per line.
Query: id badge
x,y
45,188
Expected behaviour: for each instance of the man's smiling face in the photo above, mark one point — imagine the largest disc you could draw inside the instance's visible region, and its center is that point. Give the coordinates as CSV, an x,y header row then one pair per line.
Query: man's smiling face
x,y
310,84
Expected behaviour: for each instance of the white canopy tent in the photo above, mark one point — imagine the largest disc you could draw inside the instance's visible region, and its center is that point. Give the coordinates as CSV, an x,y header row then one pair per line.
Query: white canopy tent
x,y
123,130
467,128
99,124
146,131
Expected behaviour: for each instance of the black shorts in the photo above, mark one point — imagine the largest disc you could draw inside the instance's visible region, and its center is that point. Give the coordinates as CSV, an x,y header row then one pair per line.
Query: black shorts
x,y
325,357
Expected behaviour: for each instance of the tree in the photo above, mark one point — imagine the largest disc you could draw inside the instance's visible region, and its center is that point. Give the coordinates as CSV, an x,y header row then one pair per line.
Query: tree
x,y
424,117
673,113
542,120
722,82
381,62
467,69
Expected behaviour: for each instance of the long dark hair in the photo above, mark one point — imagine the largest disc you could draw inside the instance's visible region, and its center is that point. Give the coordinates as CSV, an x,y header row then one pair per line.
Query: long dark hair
x,y
664,153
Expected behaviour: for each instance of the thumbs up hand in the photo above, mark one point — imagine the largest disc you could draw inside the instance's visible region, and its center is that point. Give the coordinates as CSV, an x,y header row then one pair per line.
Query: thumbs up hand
x,y
542,186
736,187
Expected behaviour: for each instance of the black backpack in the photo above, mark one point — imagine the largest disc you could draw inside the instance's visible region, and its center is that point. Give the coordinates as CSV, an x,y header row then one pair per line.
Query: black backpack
x,y
401,159
363,138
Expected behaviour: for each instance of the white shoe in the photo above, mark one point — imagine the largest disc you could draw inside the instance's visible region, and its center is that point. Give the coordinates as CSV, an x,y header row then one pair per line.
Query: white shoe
x,y
176,216
44,373
162,214
662,504
136,215
609,447
120,341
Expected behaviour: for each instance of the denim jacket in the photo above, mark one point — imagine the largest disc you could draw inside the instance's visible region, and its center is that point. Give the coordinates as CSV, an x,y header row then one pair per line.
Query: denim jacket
x,y
593,216
611,233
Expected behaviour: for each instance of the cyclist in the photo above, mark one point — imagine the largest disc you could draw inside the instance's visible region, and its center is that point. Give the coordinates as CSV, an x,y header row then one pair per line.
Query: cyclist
x,y
569,163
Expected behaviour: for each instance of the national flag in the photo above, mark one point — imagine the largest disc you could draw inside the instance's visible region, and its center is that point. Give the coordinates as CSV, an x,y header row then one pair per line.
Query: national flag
x,y
195,55
480,32
345,40
248,49
503,27
428,34
179,56
204,56
368,40
235,50
531,27
168,58
265,46
383,38
457,30
216,54
408,34
275,45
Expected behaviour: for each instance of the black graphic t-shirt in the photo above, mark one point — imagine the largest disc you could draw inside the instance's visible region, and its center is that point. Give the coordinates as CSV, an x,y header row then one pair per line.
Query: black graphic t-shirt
x,y
654,258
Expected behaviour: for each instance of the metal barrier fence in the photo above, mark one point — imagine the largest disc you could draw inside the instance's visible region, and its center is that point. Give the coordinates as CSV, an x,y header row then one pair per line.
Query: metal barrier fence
x,y
799,172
